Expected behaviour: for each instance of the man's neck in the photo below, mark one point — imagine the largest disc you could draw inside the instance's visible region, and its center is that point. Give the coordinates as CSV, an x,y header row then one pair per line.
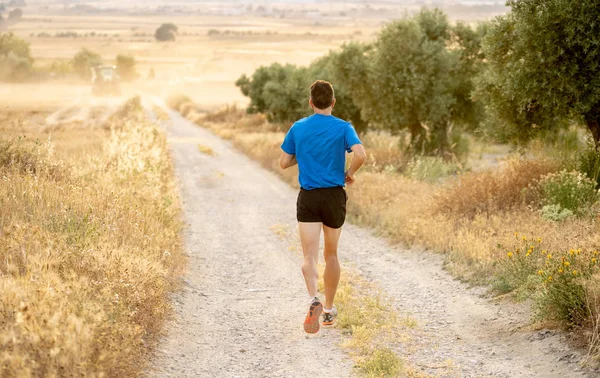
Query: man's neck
x,y
325,112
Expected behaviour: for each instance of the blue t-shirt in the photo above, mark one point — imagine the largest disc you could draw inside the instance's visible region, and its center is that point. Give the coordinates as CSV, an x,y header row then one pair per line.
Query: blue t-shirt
x,y
320,143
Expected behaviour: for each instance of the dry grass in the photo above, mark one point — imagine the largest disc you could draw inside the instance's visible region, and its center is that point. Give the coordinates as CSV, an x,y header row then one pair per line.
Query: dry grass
x,y
160,113
492,190
385,151
371,324
206,150
90,250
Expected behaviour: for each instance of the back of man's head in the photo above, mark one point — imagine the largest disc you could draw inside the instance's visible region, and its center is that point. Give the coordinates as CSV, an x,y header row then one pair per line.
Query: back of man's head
x,y
321,94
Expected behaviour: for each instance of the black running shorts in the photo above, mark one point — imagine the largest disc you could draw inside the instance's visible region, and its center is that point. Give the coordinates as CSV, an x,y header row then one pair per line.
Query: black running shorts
x,y
326,205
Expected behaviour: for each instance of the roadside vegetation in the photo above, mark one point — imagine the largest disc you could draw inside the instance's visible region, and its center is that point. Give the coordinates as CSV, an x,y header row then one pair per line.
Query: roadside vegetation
x,y
371,324
90,245
431,112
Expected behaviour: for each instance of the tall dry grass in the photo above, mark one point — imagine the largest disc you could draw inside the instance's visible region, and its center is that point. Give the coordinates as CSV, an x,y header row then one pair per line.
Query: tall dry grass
x,y
493,190
90,249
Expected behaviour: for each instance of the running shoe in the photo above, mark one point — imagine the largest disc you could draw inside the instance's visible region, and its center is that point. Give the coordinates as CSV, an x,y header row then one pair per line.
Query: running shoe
x,y
311,323
329,317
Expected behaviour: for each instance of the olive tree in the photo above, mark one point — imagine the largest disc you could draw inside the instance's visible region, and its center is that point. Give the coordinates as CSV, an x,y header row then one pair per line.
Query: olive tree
x,y
126,67
15,58
419,77
15,14
84,60
330,68
544,68
166,32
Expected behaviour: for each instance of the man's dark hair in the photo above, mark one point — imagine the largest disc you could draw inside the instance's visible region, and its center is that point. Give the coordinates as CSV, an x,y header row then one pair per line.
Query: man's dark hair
x,y
321,94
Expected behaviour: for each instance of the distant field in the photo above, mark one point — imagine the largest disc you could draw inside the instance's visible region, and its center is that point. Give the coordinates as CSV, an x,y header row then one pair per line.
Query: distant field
x,y
217,42
202,66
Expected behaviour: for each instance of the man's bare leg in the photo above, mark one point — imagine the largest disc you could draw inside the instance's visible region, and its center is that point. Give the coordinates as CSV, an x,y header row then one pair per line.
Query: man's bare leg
x,y
332,265
310,234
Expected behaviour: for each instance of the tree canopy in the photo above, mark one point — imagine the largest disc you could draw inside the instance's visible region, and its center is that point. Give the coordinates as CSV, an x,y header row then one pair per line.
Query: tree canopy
x,y
84,60
15,14
417,76
166,32
544,68
126,67
15,58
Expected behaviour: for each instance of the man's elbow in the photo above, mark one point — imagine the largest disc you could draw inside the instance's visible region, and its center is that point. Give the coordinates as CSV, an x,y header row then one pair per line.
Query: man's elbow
x,y
360,154
283,164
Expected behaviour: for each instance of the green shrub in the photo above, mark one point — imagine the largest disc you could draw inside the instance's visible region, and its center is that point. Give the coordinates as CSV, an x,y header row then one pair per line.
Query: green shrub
x,y
555,279
61,68
555,213
518,266
126,67
381,363
563,297
15,58
573,191
166,32
589,162
83,62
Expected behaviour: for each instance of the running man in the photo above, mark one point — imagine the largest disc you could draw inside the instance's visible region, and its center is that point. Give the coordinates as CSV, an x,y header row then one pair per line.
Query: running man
x,y
318,144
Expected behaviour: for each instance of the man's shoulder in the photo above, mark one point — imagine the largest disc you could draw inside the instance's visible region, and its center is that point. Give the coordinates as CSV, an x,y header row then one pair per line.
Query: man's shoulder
x,y
332,120
299,124
339,121
302,121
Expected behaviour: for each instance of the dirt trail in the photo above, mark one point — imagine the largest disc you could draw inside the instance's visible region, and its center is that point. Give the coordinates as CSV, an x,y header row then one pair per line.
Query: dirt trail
x,y
241,311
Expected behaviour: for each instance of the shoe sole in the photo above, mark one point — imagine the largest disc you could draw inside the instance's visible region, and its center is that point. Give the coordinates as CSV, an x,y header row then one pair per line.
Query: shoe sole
x,y
328,323
311,323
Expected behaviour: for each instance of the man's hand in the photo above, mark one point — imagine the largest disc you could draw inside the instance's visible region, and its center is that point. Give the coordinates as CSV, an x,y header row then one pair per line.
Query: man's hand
x,y
350,178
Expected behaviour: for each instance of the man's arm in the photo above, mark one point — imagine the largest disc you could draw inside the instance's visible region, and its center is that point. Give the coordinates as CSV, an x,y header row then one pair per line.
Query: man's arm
x,y
358,159
287,160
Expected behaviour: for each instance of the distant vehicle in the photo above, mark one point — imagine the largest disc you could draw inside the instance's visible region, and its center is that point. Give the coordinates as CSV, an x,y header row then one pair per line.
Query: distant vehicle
x,y
105,81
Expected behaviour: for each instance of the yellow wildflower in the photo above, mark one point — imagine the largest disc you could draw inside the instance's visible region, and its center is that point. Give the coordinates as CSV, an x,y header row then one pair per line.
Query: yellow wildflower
x,y
549,278
524,238
539,240
549,256
595,253
572,252
594,260
566,263
540,272
510,254
578,251
575,272
516,234
560,270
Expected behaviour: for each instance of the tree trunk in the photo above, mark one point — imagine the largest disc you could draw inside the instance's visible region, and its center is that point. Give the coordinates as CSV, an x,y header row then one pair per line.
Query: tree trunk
x,y
592,119
443,142
417,136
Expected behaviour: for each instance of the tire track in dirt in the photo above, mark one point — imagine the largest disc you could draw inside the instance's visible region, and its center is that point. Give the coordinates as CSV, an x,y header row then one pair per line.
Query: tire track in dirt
x,y
241,311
